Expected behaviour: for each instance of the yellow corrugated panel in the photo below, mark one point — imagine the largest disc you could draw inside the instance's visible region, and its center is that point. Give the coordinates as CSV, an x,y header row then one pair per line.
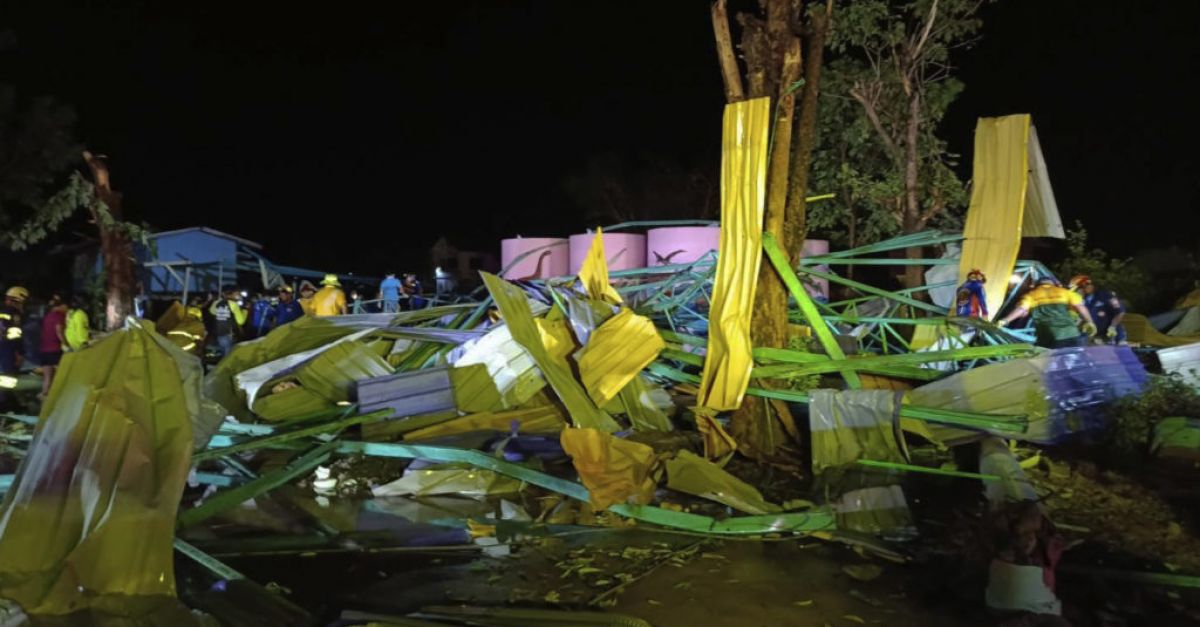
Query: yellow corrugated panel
x,y
1140,331
546,419
616,353
474,389
594,273
89,521
517,316
728,361
613,470
998,190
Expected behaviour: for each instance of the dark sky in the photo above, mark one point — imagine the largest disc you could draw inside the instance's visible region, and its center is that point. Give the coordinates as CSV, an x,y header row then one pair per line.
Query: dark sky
x,y
348,136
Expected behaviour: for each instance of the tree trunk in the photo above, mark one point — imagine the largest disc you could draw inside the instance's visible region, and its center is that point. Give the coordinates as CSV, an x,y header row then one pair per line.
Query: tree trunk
x,y
115,248
796,226
913,277
757,432
725,56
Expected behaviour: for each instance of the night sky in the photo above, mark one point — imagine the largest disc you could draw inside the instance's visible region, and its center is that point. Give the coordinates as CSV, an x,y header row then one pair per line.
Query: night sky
x,y
349,136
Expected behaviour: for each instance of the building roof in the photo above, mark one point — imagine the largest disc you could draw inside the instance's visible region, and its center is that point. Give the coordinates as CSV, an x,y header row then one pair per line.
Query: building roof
x,y
213,232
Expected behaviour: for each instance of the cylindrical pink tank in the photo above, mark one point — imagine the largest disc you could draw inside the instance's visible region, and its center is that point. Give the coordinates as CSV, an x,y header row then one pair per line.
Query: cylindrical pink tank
x,y
624,251
813,247
680,244
548,257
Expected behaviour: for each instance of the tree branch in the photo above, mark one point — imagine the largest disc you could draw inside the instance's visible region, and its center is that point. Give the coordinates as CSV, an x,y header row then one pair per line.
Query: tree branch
x,y
916,53
868,106
729,67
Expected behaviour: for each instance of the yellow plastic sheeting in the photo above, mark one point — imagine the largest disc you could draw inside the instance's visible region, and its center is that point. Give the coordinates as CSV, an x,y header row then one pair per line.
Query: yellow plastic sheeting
x,y
998,187
613,470
727,362
718,444
474,389
546,419
556,336
517,316
1139,331
615,354
692,474
90,519
593,274
458,481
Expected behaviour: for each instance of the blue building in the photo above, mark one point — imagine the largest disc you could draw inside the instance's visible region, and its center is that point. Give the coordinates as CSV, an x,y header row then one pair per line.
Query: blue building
x,y
201,258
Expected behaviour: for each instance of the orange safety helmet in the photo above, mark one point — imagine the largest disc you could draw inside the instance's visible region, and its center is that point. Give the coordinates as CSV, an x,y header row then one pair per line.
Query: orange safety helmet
x,y
979,273
1079,282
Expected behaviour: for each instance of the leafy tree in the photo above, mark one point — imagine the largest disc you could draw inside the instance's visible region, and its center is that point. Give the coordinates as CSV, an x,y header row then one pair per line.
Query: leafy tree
x,y
885,93
611,189
1121,276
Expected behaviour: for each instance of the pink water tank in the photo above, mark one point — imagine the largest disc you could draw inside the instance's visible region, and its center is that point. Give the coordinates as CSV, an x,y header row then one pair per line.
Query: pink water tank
x,y
547,257
624,251
672,245
812,248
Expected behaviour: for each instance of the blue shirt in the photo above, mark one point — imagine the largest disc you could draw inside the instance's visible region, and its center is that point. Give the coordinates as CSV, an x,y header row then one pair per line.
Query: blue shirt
x,y
259,315
971,300
390,289
287,312
1104,306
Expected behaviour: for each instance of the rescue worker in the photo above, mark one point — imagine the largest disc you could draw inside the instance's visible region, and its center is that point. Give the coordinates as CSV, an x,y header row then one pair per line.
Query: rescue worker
x,y
228,317
1106,309
307,290
52,342
330,300
971,299
287,310
77,331
260,312
412,290
11,339
1050,306
389,293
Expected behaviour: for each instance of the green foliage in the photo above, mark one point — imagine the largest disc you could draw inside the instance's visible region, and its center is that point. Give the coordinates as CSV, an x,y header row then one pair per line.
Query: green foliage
x,y
883,58
1134,417
1119,276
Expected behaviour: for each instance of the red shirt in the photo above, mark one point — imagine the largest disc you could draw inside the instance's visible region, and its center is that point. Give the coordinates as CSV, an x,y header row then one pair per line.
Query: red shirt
x,y
55,318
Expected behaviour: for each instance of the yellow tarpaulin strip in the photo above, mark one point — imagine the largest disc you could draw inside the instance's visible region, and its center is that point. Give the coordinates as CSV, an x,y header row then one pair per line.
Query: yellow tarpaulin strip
x,y
615,354
594,272
728,361
614,471
998,187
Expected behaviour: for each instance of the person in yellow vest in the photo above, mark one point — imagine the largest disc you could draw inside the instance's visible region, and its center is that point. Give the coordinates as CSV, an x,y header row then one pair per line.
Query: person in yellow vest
x,y
78,330
306,297
330,300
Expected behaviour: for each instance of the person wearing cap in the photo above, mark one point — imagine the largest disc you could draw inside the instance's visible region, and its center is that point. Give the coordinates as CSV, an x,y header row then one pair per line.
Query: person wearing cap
x,y
11,340
1106,309
287,310
971,299
330,300
228,318
1049,306
307,290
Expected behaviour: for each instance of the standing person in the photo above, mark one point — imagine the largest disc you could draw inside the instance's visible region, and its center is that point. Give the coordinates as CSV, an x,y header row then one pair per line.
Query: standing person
x,y
356,306
389,293
11,339
77,331
330,300
412,289
53,340
287,310
260,312
971,299
228,317
1050,307
1107,311
307,291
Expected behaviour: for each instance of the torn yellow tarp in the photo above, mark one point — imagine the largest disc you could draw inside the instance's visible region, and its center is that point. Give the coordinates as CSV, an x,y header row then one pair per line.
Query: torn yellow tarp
x,y
593,274
718,444
1139,331
615,354
613,470
692,474
556,336
727,362
1010,198
89,521
517,316
545,419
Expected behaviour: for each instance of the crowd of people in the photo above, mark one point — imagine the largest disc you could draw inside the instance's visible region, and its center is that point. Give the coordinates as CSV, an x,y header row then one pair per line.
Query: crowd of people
x,y
61,327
